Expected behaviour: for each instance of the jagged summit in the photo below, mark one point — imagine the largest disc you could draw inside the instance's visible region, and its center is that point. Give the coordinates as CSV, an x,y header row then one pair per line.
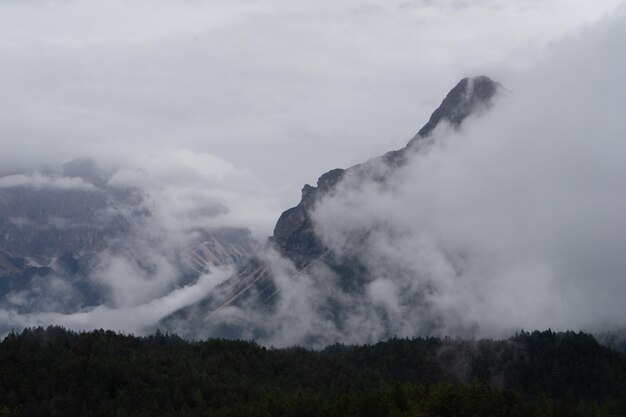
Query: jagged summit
x,y
466,98
294,235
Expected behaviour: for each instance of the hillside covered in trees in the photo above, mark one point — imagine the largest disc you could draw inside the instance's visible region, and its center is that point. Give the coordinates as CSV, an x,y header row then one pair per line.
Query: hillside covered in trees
x,y
56,372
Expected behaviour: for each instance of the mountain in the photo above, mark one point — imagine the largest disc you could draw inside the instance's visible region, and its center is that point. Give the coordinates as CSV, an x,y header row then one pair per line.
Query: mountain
x,y
63,223
295,237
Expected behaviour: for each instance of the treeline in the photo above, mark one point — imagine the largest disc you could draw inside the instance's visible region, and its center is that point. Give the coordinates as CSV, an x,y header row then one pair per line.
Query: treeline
x,y
56,372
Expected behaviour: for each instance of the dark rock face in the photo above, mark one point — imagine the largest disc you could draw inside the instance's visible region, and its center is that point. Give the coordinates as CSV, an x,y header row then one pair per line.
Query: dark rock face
x,y
294,235
294,232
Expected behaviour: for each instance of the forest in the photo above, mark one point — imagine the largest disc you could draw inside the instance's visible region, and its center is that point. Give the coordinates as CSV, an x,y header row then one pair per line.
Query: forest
x,y
57,372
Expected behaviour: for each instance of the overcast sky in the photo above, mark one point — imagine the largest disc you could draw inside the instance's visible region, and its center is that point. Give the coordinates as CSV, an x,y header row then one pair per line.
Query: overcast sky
x,y
258,97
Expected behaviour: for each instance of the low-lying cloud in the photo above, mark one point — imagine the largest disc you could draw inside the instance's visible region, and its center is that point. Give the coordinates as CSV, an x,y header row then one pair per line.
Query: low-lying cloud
x,y
129,230
513,222
133,318
516,221
40,181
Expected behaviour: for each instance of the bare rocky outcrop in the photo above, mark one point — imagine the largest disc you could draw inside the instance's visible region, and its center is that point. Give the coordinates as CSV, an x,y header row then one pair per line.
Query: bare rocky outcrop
x,y
294,235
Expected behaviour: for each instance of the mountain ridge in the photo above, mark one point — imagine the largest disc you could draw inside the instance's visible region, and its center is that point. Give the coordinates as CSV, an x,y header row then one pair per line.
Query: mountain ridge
x,y
293,234
255,287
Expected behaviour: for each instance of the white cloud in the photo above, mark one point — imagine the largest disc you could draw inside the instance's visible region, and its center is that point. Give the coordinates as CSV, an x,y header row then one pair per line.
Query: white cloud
x,y
135,319
40,181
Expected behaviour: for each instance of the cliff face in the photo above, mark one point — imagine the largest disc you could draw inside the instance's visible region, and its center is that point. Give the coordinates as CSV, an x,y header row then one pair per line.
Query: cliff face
x,y
294,235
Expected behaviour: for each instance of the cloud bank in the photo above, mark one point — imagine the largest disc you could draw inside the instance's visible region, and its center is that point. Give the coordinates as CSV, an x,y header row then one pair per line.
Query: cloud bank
x,y
131,318
272,87
39,181
514,222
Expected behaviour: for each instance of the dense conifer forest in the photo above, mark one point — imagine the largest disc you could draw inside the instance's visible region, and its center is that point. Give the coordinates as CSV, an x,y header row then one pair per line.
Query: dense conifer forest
x,y
56,372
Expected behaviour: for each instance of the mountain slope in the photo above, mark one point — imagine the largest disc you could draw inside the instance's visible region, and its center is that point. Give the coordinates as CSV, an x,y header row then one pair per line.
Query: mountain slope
x,y
295,238
61,226
294,235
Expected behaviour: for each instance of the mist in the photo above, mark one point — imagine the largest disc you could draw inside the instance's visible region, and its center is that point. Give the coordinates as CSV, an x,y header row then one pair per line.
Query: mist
x,y
515,221
512,222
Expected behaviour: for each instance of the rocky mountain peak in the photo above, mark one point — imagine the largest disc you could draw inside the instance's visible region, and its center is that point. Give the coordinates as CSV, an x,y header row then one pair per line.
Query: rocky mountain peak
x,y
468,97
294,235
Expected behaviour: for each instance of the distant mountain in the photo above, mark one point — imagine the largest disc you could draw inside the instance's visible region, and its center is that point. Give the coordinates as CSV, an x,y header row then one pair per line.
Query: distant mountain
x,y
295,236
60,222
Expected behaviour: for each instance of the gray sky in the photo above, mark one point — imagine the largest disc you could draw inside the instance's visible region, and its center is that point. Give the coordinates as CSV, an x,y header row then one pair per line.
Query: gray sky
x,y
250,99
